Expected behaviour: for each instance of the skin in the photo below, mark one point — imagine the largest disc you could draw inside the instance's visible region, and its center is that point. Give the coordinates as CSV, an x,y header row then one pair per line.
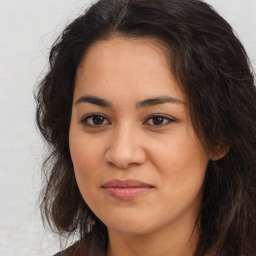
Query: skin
x,y
125,142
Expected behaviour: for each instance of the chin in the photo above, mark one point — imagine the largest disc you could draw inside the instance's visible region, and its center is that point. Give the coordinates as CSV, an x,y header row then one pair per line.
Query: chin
x,y
130,225
131,230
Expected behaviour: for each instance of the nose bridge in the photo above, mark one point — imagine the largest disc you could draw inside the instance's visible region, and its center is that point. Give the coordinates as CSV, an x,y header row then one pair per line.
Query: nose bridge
x,y
124,133
125,146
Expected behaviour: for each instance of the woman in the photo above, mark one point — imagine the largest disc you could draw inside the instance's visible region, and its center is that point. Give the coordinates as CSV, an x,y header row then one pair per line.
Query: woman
x,y
149,111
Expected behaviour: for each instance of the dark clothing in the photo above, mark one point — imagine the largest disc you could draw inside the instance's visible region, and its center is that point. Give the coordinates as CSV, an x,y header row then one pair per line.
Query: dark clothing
x,y
86,247
60,254
76,250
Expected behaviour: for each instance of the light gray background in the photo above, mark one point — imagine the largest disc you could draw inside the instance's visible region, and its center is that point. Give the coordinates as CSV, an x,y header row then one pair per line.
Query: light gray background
x,y
27,30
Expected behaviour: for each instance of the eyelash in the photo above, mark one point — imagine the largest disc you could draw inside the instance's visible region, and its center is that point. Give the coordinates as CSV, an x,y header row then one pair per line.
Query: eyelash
x,y
85,120
168,120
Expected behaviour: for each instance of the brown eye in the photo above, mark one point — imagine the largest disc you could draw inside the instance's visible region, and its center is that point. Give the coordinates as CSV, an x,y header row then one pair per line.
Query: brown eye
x,y
159,120
95,120
98,120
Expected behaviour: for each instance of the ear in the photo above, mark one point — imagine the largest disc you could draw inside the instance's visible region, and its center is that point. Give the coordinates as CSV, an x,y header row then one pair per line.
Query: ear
x,y
219,152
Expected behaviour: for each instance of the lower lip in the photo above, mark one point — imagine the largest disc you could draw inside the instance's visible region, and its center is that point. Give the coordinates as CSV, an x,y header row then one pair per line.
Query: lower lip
x,y
127,193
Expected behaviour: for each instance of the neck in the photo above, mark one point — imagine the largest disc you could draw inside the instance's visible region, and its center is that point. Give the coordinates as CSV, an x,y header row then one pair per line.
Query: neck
x,y
169,243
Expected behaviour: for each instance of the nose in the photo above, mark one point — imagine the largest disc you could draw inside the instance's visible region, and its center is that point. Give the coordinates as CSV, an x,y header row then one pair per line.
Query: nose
x,y
125,148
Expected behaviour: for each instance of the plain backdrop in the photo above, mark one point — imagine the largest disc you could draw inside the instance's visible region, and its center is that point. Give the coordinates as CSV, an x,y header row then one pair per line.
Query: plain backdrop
x,y
27,31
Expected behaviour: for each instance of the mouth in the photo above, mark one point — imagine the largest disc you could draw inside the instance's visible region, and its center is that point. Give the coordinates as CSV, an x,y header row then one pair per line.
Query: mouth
x,y
126,189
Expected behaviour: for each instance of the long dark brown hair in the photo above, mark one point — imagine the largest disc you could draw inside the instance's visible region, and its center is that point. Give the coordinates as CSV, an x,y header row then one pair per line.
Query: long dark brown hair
x,y
214,72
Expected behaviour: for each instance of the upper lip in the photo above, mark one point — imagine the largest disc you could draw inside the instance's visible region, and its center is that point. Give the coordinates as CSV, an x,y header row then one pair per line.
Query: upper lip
x,y
125,184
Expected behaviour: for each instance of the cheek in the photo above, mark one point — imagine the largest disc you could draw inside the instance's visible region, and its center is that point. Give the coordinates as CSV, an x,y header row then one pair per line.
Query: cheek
x,y
85,153
182,171
181,161
87,159
177,154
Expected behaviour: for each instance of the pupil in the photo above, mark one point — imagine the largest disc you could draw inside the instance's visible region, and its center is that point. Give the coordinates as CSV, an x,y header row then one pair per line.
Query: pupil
x,y
158,120
98,120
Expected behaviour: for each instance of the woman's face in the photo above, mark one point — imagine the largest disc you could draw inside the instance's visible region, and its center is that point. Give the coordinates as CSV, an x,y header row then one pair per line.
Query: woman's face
x,y
138,162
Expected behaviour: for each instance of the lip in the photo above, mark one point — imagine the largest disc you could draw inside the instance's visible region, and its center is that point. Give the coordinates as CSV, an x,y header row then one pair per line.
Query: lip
x,y
126,189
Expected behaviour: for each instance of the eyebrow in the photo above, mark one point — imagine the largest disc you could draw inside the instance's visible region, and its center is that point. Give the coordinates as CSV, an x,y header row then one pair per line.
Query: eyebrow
x,y
94,100
156,101
141,104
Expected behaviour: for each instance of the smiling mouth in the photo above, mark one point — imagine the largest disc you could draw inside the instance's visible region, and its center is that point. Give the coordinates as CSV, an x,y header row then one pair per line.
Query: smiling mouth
x,y
126,189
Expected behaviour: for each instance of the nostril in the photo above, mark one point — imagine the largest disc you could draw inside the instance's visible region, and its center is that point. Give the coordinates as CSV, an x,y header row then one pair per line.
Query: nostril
x,y
124,150
124,160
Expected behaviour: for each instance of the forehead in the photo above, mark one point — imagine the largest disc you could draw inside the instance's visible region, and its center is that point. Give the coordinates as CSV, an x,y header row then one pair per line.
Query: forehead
x,y
134,66
107,55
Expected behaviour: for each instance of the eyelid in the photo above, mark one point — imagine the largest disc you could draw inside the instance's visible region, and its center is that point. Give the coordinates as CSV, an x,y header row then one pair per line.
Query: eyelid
x,y
165,117
168,118
87,117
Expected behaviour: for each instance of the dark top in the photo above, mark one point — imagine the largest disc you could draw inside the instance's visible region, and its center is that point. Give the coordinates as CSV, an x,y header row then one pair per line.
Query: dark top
x,y
64,254
79,249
